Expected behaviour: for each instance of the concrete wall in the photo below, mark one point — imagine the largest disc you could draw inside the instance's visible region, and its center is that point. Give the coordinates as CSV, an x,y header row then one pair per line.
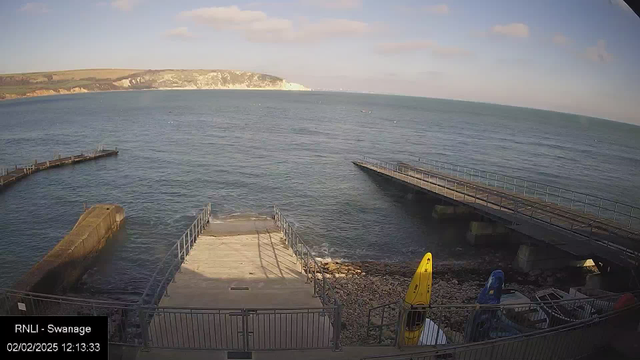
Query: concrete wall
x,y
65,264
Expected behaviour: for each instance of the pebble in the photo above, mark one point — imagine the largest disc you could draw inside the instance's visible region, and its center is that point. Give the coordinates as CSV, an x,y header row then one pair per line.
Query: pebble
x,y
363,285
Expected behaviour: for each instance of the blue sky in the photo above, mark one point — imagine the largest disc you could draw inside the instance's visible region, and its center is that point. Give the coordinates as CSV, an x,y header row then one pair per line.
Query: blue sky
x,y
573,55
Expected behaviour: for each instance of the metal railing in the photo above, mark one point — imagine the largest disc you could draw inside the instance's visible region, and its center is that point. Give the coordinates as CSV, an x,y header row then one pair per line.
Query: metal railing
x,y
568,341
471,193
389,324
601,208
123,317
242,329
170,264
314,272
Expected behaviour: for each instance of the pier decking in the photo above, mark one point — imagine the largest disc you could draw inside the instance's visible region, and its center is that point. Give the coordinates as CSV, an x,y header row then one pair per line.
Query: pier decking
x,y
11,176
577,231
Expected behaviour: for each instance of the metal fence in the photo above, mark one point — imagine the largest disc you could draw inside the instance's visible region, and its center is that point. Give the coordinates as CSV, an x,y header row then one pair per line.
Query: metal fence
x,y
487,198
241,329
314,272
601,208
123,317
170,264
569,341
400,324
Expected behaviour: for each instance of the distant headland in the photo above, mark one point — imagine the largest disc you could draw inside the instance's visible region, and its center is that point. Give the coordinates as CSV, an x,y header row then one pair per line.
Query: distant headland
x,y
14,86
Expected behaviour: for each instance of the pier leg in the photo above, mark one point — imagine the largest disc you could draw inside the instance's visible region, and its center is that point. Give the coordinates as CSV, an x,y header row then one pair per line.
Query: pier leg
x,y
531,257
442,212
485,233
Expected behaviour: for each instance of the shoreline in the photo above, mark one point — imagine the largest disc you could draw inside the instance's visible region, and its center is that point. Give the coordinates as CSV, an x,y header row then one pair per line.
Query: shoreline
x,y
84,91
361,285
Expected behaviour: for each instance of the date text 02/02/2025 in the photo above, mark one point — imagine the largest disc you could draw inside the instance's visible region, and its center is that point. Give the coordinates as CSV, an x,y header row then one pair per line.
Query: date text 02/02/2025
x,y
44,336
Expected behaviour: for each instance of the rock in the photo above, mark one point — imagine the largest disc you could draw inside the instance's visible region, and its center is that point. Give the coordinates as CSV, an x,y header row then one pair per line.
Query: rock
x,y
535,272
370,284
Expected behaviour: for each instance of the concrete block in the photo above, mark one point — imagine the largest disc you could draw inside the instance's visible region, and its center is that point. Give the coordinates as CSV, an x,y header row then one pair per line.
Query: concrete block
x,y
442,212
67,261
531,257
483,233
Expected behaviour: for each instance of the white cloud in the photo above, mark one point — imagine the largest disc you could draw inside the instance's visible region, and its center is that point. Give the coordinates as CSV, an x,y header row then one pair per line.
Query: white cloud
x,y
598,53
512,30
441,9
560,39
34,8
179,33
259,27
411,46
335,4
124,5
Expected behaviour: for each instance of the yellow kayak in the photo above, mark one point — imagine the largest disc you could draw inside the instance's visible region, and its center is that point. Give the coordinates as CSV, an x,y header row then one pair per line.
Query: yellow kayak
x,y
419,293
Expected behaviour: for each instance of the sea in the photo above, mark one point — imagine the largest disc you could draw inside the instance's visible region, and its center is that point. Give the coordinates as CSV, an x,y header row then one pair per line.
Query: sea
x,y
246,151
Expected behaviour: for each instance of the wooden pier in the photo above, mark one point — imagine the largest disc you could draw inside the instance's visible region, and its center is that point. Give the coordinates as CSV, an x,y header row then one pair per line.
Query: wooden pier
x,y
11,176
584,234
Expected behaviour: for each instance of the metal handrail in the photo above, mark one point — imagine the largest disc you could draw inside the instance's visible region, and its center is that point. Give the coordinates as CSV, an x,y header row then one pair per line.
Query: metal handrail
x,y
635,293
518,204
447,349
178,254
495,191
67,299
460,171
321,287
302,252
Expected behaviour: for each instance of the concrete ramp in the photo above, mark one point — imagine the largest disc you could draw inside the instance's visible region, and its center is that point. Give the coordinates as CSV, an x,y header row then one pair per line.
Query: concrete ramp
x,y
241,287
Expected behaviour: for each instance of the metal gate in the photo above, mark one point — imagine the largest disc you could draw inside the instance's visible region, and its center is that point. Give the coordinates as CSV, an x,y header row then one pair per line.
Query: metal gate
x,y
239,329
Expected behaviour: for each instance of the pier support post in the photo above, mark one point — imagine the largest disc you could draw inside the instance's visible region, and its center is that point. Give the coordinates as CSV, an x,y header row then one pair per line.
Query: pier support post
x,y
531,257
484,233
442,212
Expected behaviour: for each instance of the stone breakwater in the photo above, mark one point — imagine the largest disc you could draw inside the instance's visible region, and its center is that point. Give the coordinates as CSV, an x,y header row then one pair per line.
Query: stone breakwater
x,y
366,284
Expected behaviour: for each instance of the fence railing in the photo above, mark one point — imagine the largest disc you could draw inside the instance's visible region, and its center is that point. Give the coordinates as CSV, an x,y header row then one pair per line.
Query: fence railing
x,y
241,329
389,324
571,340
170,264
123,317
314,272
601,208
471,193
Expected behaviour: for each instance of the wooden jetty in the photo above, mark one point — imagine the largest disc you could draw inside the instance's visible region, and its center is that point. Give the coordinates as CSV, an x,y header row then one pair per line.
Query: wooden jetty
x,y
571,228
10,176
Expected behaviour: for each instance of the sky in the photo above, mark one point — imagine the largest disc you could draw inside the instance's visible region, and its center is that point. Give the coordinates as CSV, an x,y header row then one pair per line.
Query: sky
x,y
577,56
